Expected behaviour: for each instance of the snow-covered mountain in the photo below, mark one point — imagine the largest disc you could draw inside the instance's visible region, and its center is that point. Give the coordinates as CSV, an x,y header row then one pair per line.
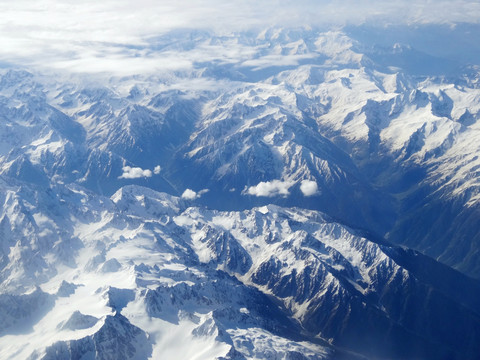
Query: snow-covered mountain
x,y
141,274
285,199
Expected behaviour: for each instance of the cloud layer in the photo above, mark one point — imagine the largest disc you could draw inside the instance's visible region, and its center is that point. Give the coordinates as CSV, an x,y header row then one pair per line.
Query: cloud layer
x,y
126,37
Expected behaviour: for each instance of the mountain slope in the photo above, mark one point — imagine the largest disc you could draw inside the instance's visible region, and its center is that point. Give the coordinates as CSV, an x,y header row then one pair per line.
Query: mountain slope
x,y
144,265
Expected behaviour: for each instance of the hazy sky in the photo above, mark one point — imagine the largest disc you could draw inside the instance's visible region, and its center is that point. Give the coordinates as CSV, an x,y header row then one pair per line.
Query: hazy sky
x,y
115,35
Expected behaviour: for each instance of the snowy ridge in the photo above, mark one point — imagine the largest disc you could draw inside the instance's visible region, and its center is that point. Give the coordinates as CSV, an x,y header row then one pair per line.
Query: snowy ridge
x,y
145,266
136,266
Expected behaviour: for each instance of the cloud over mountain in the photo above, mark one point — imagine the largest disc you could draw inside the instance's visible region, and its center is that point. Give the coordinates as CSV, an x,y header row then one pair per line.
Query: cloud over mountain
x,y
190,194
121,37
309,187
134,173
270,188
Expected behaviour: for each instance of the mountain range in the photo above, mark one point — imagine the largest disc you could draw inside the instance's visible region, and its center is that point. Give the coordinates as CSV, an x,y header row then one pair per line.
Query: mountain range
x,y
303,194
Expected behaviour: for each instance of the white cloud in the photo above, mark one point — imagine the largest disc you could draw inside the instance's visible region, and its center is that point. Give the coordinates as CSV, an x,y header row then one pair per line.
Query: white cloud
x,y
134,173
189,194
157,169
128,37
308,187
270,188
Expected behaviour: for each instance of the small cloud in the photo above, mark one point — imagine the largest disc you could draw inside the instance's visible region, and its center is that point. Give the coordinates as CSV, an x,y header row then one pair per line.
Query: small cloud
x,y
134,173
157,170
309,187
270,188
189,194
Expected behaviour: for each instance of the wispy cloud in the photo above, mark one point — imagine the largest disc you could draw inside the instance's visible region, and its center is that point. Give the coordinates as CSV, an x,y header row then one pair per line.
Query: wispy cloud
x,y
120,36
276,60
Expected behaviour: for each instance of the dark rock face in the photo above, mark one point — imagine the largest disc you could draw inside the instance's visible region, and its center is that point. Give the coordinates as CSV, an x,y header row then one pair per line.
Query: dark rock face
x,y
396,315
